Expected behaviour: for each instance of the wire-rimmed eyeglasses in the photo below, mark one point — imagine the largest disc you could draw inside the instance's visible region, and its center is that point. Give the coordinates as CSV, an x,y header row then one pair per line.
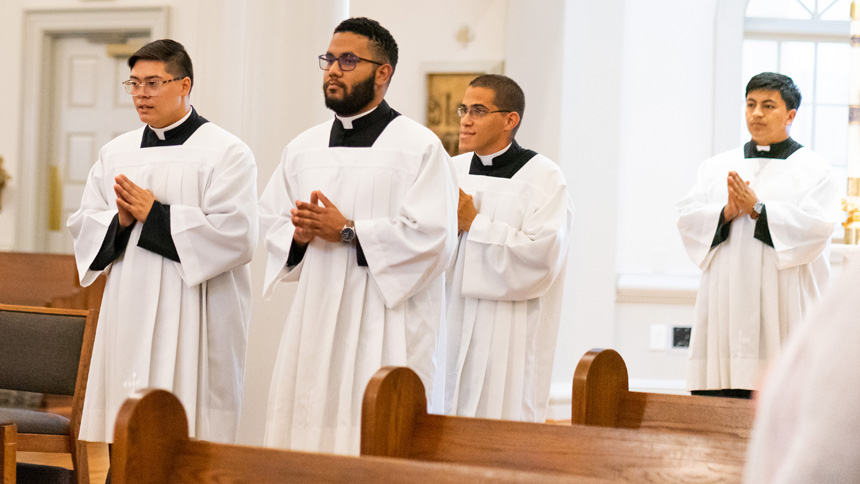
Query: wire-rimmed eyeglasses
x,y
478,112
151,86
346,62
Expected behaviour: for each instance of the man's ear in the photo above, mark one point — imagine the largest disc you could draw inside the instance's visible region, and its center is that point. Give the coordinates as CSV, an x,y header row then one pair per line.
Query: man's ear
x,y
186,86
383,75
791,115
512,120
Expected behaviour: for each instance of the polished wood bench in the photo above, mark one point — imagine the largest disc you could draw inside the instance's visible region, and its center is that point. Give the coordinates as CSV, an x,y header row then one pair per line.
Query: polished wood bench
x,y
41,279
601,397
151,446
395,423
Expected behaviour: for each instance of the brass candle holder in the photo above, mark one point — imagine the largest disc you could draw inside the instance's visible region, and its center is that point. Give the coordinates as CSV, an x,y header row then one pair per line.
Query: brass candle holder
x,y
851,204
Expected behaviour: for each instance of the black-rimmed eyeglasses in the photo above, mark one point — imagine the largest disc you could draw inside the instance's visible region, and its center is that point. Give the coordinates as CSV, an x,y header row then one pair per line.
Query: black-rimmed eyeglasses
x,y
346,62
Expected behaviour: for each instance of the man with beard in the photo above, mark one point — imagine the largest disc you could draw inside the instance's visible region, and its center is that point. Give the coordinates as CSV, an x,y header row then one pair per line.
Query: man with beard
x,y
361,213
169,213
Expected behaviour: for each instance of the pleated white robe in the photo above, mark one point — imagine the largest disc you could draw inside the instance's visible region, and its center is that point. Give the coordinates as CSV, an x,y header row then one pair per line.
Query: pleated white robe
x,y
751,295
182,326
504,292
347,321
808,421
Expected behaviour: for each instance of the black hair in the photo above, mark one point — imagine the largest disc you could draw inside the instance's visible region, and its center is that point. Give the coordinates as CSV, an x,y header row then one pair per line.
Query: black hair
x,y
771,81
176,59
381,40
507,94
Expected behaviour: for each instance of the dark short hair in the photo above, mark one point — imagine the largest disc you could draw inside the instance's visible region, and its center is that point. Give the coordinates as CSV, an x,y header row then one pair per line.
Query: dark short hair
x,y
381,40
507,94
771,81
176,59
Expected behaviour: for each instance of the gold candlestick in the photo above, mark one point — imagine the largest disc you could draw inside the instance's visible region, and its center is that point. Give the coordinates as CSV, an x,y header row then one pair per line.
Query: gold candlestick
x,y
851,204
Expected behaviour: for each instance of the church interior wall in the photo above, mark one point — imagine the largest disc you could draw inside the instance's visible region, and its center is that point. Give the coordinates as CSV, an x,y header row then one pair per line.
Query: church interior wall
x,y
618,94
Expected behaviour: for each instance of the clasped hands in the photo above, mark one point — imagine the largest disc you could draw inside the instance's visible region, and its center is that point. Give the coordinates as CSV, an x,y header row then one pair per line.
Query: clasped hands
x,y
133,202
466,212
742,198
317,218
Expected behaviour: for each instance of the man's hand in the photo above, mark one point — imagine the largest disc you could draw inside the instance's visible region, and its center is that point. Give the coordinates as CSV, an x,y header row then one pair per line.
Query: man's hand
x,y
466,212
133,202
739,190
312,220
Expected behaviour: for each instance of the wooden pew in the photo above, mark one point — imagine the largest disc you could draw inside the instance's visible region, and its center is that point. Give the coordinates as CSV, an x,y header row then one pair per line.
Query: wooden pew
x,y
47,280
395,423
151,446
601,397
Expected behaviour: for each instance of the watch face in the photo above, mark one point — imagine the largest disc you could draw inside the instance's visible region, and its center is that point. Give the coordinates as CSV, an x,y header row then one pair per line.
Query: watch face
x,y
757,207
347,234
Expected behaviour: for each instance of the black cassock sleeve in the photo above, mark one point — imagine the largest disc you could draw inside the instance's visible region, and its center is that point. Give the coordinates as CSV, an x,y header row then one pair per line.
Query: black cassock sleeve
x,y
723,229
155,235
297,253
762,230
113,245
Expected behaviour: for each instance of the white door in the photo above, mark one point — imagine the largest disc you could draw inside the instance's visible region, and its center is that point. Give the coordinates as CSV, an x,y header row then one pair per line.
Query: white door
x,y
89,107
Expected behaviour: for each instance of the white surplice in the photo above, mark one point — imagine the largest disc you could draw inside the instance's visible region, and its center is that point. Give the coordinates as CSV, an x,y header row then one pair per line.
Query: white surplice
x,y
808,421
752,295
347,321
182,326
504,292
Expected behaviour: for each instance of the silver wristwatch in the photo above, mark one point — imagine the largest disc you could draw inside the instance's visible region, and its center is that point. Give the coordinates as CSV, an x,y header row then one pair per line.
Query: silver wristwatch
x,y
757,209
347,233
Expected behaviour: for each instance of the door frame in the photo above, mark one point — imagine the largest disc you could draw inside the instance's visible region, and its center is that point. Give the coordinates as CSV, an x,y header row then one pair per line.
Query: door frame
x,y
40,29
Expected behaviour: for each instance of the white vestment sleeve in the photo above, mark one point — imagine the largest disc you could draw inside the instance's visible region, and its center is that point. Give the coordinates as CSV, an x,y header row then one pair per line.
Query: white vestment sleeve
x,y
509,264
89,224
698,219
800,232
410,250
221,233
277,228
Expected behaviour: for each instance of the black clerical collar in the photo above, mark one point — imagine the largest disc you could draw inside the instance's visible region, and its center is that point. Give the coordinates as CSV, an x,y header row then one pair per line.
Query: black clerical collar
x,y
365,130
176,136
505,165
781,150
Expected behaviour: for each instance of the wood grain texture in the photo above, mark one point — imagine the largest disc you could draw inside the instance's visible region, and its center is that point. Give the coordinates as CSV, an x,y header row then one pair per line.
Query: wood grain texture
x,y
8,444
41,279
601,397
152,445
616,455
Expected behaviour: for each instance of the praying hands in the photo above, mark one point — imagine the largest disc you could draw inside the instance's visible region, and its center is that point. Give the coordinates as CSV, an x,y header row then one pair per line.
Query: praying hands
x,y
315,220
742,198
133,202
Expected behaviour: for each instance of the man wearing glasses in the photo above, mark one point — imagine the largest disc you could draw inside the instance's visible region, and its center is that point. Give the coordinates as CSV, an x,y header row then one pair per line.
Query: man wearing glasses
x,y
505,284
169,213
361,213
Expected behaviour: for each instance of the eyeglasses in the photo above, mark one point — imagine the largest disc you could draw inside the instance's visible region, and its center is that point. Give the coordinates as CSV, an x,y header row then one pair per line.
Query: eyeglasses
x,y
152,86
477,112
346,62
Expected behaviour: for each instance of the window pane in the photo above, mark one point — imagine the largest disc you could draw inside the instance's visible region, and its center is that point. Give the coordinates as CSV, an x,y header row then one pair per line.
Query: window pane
x,y
759,56
831,133
833,73
797,61
839,10
777,9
